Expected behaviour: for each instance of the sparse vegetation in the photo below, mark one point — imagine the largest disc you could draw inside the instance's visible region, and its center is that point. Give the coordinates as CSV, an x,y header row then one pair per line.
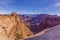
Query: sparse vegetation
x,y
29,35
18,36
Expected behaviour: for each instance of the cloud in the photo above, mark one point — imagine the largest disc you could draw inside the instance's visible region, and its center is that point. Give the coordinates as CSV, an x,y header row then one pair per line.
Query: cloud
x,y
6,1
57,5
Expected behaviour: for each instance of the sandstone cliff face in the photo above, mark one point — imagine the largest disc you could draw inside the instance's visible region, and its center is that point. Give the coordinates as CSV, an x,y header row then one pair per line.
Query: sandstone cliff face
x,y
12,28
8,26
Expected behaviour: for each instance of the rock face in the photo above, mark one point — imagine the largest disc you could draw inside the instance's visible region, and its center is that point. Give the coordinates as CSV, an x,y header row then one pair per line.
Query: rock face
x,y
12,28
42,21
48,21
50,34
8,26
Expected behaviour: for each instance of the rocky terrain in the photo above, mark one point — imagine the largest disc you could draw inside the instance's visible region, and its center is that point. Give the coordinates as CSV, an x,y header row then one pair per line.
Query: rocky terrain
x,y
52,33
12,28
7,24
41,22
19,27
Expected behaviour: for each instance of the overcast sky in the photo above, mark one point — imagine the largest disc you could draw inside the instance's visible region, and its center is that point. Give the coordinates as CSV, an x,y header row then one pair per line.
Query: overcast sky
x,y
30,6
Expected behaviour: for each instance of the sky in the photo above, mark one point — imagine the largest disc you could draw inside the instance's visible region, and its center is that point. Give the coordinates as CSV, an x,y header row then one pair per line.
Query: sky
x,y
30,6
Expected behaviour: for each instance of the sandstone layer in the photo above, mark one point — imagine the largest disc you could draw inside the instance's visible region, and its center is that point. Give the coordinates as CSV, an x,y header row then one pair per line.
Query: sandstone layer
x,y
13,28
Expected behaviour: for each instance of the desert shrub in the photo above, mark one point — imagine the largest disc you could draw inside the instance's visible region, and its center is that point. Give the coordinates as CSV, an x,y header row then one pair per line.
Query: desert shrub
x,y
29,35
19,36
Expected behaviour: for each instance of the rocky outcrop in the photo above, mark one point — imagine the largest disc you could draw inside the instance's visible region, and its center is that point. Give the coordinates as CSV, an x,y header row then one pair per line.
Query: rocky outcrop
x,y
8,26
13,28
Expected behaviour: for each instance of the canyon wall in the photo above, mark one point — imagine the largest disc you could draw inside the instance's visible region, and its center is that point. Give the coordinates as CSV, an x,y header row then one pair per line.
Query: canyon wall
x,y
13,28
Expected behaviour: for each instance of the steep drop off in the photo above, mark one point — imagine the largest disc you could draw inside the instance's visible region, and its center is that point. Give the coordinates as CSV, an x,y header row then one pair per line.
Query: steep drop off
x,y
12,28
41,22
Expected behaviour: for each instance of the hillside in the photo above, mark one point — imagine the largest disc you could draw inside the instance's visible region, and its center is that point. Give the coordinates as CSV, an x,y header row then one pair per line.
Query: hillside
x,y
16,27
52,33
12,28
41,22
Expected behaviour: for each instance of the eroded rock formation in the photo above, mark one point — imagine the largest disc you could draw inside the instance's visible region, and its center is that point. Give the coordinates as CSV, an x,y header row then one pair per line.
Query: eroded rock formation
x,y
42,21
8,26
11,27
